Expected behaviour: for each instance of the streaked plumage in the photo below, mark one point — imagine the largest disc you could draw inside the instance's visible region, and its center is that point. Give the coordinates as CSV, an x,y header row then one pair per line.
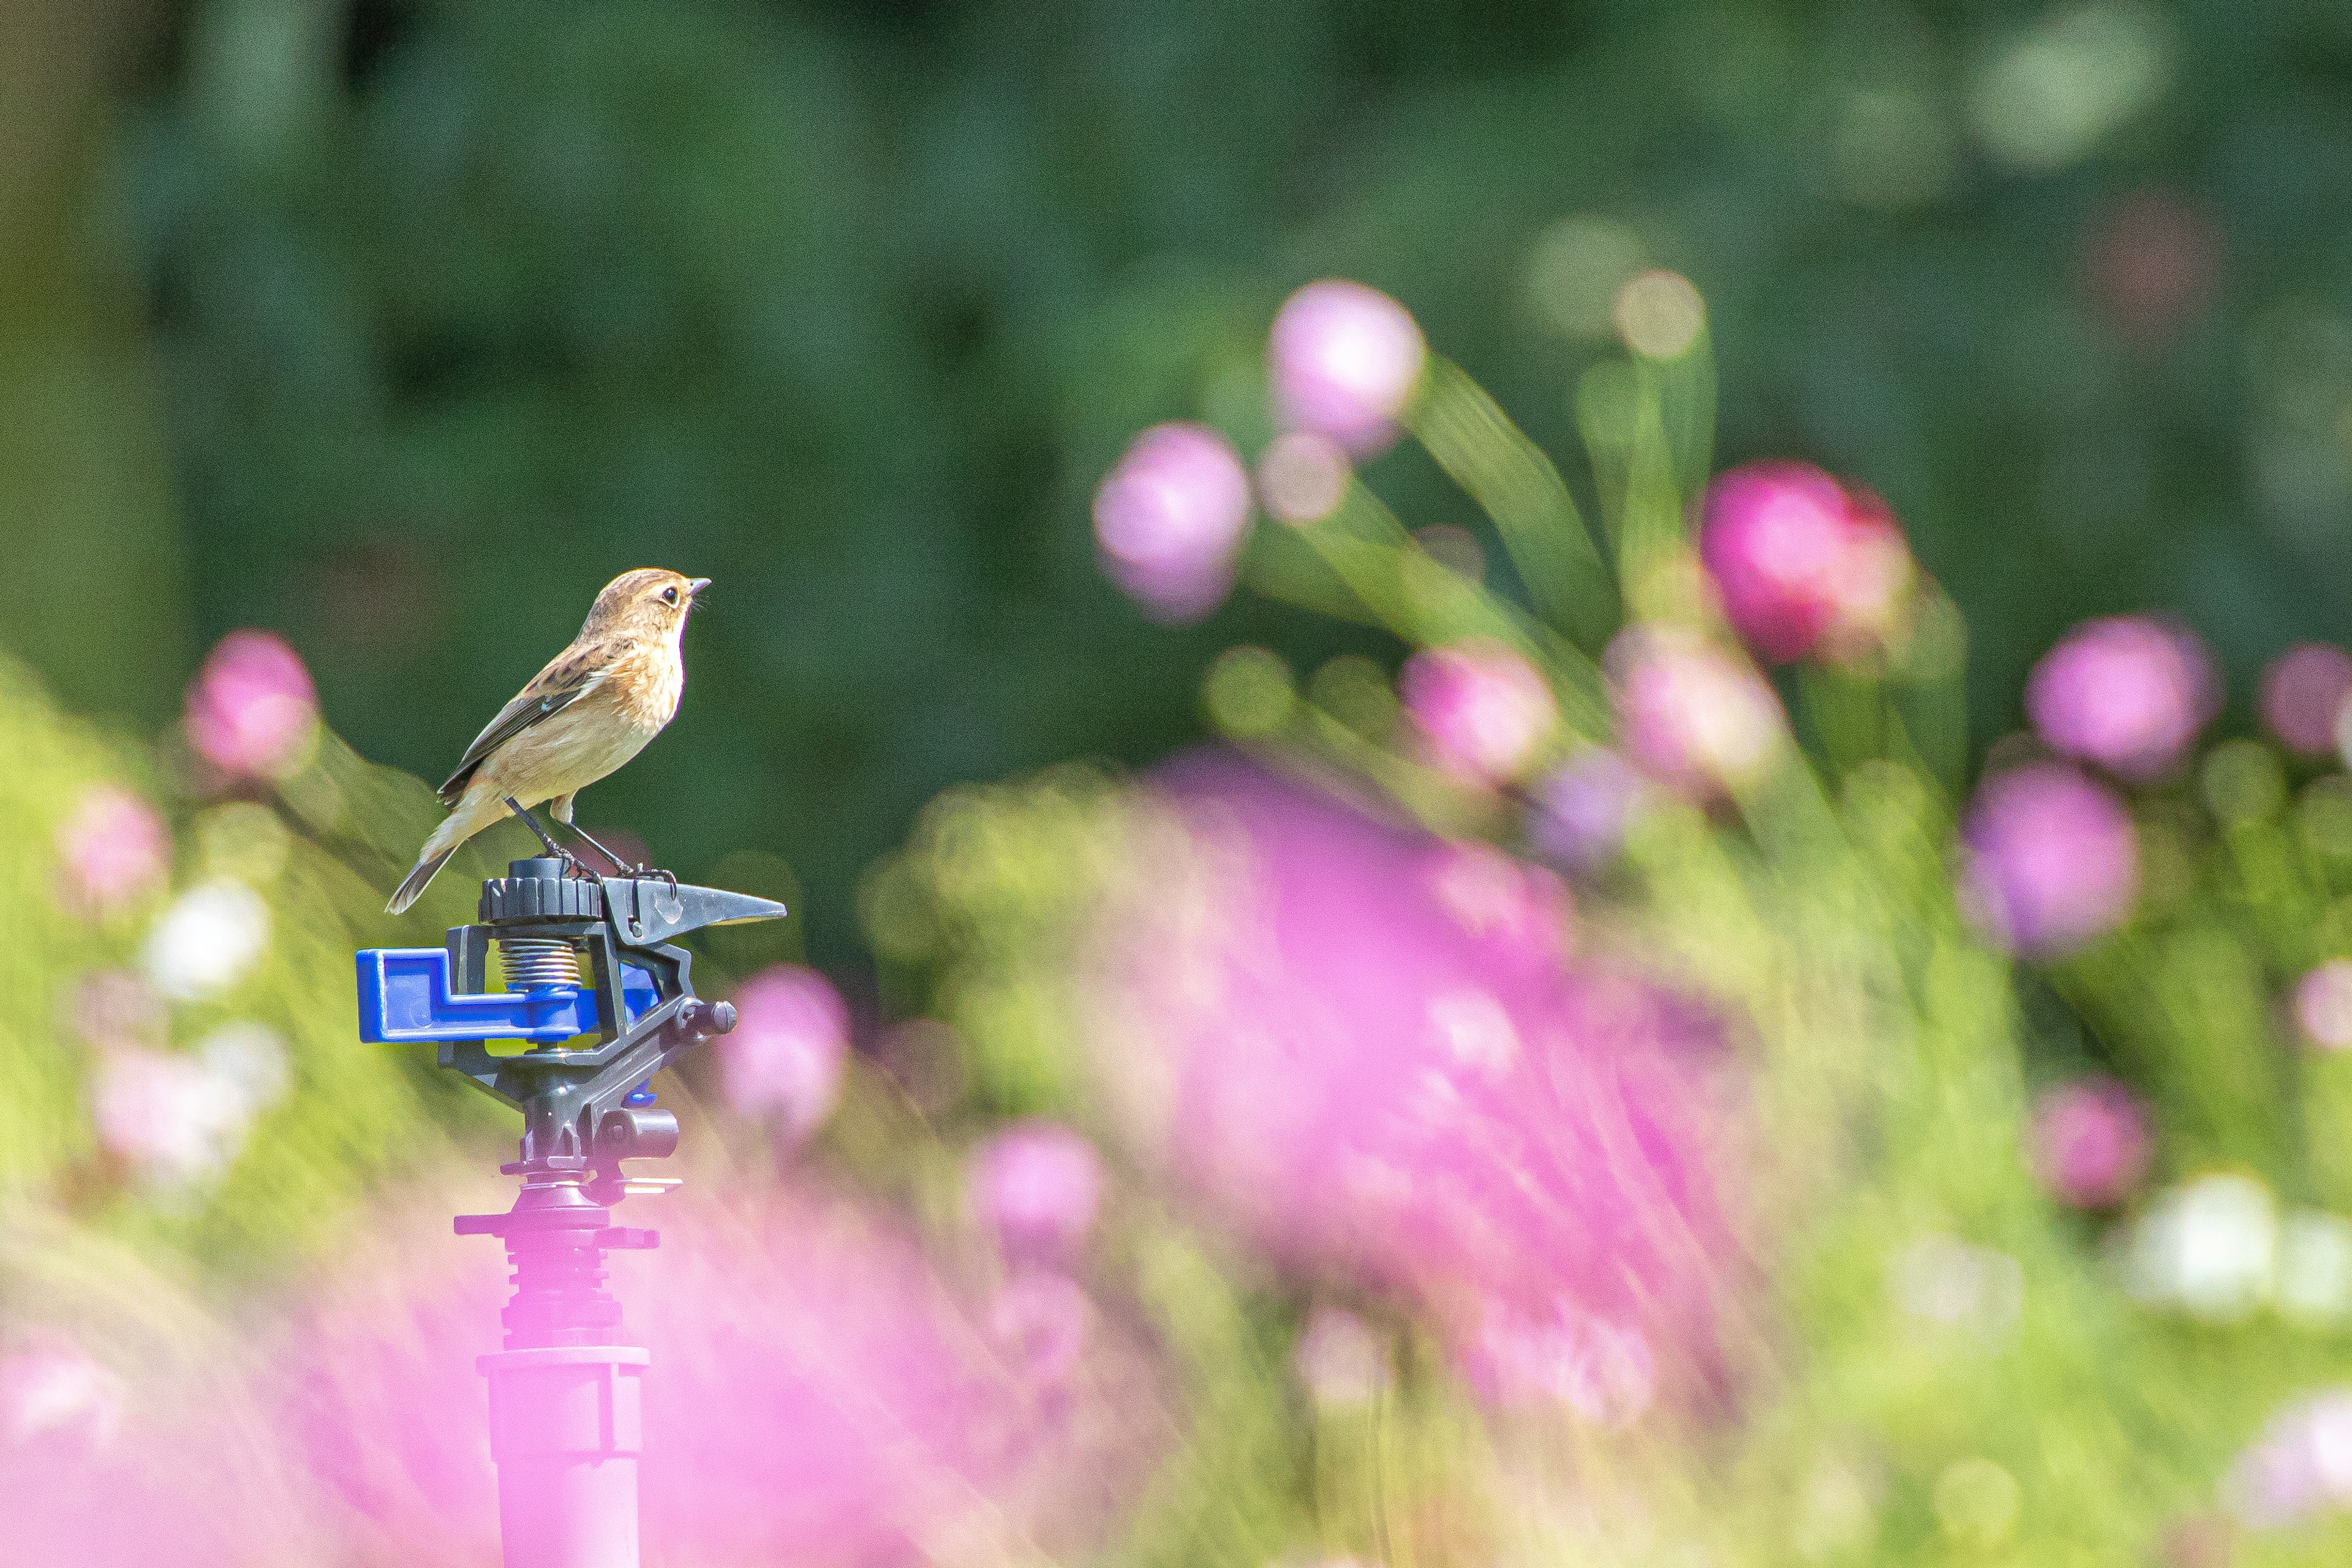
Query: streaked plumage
x,y
591,709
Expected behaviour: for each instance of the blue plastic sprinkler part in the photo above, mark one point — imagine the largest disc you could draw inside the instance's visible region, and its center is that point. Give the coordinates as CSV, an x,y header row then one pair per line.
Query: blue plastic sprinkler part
x,y
405,998
641,1096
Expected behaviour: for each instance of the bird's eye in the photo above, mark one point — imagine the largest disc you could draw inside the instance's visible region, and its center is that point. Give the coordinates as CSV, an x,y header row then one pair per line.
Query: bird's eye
x,y
669,595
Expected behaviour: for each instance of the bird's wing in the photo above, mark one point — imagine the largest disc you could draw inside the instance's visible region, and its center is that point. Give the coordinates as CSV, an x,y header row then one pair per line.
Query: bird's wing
x,y
569,676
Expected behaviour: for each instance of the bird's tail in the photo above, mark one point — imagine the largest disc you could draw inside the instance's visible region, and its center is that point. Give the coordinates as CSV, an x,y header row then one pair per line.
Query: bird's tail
x,y
412,888
473,813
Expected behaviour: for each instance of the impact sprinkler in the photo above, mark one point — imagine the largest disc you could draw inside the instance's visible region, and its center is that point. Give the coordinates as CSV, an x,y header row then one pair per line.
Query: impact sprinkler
x,y
566,1424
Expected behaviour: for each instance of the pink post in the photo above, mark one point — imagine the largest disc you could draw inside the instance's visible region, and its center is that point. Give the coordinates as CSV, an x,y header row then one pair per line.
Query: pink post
x,y
566,1427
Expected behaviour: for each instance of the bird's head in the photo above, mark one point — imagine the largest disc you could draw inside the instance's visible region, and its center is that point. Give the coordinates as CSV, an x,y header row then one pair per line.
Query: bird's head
x,y
646,603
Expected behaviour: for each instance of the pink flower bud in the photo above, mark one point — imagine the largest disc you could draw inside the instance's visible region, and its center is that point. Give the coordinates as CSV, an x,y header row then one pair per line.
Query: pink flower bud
x,y
1482,711
783,1062
1802,562
2323,1005
1169,519
2127,693
2052,861
114,851
1693,715
252,710
2091,1142
2303,696
1036,1187
1344,361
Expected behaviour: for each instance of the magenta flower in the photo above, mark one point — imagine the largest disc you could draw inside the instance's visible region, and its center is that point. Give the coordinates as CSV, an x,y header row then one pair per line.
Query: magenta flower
x,y
1482,711
2323,1005
2303,696
2091,1142
114,851
783,1063
1583,810
252,710
1800,561
1036,1188
1344,361
2127,693
1692,714
2052,861
1169,519
1366,1048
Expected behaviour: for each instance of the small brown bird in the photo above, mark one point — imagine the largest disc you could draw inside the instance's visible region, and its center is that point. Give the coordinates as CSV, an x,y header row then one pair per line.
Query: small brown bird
x,y
591,709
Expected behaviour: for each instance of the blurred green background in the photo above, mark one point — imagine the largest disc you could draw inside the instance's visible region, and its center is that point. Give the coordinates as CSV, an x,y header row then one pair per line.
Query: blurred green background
x,y
400,328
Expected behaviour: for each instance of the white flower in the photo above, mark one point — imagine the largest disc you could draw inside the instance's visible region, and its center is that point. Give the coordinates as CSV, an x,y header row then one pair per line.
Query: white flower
x,y
2208,1246
2315,1269
207,940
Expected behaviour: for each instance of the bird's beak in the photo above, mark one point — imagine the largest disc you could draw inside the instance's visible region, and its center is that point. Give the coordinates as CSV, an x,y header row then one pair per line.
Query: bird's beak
x,y
697,584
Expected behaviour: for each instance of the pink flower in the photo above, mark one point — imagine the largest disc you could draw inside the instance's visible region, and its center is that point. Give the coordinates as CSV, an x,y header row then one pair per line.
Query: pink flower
x,y
2051,861
2323,1005
115,851
1481,710
1583,810
1693,715
2091,1143
1036,1187
1169,518
2299,1465
783,1062
1375,1058
2303,696
1344,362
252,710
2127,693
1801,561
818,1394
171,1117
56,1391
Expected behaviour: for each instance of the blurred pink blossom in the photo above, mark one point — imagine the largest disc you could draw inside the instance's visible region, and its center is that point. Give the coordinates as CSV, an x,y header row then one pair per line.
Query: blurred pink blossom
x,y
783,1062
2052,861
2091,1142
252,710
1481,710
1800,561
1583,810
2323,1005
1600,1370
114,851
2151,262
1036,1186
1170,517
2127,693
1692,714
57,1392
1368,1050
818,1394
2303,696
1344,360
820,1398
174,1118
2298,1465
